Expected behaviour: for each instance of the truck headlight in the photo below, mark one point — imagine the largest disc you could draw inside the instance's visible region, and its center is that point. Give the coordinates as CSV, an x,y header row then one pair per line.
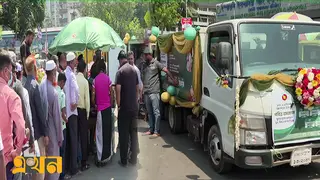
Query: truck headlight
x,y
248,137
252,130
252,122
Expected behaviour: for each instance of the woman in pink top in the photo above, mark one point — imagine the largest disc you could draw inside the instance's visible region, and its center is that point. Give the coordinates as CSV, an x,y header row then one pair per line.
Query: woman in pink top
x,y
104,125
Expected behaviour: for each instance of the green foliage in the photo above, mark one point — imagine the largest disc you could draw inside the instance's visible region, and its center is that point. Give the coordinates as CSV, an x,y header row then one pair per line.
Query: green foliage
x,y
147,19
21,15
120,16
95,9
190,6
134,28
165,14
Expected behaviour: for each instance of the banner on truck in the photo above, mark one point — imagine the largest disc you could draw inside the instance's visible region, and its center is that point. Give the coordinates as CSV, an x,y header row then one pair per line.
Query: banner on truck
x,y
290,123
180,66
259,8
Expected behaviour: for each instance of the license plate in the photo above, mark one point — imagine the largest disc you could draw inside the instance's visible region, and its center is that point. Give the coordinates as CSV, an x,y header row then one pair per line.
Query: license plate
x,y
301,156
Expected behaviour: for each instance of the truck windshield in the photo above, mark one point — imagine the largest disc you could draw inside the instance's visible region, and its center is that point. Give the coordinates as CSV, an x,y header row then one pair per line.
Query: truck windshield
x,y
273,46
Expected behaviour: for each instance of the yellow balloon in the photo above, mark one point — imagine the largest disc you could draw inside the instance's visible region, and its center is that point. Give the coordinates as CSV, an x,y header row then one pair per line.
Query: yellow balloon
x,y
165,97
172,101
153,38
125,40
127,36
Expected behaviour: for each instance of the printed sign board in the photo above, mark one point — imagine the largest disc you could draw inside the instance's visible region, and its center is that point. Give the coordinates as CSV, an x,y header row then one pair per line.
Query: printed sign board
x,y
186,22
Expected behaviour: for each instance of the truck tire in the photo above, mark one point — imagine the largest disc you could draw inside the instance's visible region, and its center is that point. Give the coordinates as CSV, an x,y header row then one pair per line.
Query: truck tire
x,y
175,120
216,153
185,113
163,110
166,112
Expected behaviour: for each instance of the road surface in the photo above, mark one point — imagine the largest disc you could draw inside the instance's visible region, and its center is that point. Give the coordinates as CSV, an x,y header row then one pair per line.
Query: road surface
x,y
177,157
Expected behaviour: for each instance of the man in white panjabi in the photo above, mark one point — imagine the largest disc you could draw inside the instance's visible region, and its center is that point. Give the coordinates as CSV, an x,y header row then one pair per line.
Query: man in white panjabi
x,y
53,116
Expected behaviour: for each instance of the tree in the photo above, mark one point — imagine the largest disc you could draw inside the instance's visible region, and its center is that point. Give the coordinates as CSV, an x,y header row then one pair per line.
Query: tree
x,y
165,14
190,6
95,9
120,16
147,19
19,16
134,28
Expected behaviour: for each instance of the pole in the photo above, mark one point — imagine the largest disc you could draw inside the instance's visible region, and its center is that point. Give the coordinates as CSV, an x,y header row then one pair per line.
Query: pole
x,y
234,11
186,8
87,62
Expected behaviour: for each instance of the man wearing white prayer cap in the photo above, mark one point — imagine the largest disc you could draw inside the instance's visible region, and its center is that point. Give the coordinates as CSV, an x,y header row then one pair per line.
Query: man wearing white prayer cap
x,y
71,90
53,114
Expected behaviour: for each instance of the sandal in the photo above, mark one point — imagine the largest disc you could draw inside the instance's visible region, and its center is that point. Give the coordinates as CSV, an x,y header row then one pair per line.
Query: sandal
x,y
85,167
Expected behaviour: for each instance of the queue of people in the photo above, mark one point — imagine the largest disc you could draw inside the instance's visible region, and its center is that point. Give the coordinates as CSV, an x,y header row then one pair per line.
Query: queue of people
x,y
51,116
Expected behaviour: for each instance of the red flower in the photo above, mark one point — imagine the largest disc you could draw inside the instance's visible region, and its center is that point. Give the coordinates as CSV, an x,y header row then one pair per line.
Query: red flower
x,y
305,81
304,91
305,101
314,71
311,91
299,69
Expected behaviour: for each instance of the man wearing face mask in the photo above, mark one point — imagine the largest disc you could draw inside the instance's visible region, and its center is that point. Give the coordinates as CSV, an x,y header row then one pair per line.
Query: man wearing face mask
x,y
39,120
10,113
25,49
24,96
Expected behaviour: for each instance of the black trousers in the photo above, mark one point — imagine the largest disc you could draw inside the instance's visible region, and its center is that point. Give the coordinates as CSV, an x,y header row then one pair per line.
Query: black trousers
x,y
72,144
128,129
92,129
83,134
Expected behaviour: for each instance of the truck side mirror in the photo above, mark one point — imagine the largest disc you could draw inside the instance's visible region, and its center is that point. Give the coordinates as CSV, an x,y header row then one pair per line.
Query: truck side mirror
x,y
224,54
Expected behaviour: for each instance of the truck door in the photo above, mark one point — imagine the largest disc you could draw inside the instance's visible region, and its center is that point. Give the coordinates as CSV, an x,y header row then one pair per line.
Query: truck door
x,y
216,99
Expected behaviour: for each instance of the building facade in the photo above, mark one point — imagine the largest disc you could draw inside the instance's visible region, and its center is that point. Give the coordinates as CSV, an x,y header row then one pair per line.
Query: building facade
x,y
59,14
265,9
206,12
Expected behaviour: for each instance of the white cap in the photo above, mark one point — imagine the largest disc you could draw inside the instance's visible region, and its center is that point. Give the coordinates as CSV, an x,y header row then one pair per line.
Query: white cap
x,y
71,56
18,67
50,65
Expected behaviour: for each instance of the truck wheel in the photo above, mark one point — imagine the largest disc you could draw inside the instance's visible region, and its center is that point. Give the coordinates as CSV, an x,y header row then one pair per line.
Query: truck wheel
x,y
163,111
216,153
185,113
166,112
175,120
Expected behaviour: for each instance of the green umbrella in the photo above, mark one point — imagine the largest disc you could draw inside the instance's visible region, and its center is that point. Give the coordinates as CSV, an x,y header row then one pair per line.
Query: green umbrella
x,y
86,33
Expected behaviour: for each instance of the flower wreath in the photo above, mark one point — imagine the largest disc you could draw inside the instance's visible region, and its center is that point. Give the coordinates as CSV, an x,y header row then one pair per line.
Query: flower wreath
x,y
307,87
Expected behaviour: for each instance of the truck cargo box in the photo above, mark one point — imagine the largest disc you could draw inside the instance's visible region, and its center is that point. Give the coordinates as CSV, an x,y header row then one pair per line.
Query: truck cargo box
x,y
183,59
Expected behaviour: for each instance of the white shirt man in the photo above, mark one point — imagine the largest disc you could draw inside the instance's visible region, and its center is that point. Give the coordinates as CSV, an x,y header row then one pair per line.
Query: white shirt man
x,y
71,87
72,95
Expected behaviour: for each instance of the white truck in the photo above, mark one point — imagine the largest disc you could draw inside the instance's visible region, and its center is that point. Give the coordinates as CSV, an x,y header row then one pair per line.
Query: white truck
x,y
270,128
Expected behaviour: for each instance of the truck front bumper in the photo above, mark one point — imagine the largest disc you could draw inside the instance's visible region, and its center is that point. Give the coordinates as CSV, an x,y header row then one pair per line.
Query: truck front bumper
x,y
267,158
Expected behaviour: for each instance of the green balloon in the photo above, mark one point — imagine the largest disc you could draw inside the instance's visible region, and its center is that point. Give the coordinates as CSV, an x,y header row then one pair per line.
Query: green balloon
x,y
190,33
171,90
198,28
133,37
155,31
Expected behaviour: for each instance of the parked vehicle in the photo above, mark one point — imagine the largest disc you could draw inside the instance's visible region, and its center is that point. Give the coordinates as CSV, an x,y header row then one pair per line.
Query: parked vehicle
x,y
261,126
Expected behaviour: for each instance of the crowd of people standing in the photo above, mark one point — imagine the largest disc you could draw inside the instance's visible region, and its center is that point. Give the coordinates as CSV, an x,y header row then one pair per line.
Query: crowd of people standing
x,y
50,117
